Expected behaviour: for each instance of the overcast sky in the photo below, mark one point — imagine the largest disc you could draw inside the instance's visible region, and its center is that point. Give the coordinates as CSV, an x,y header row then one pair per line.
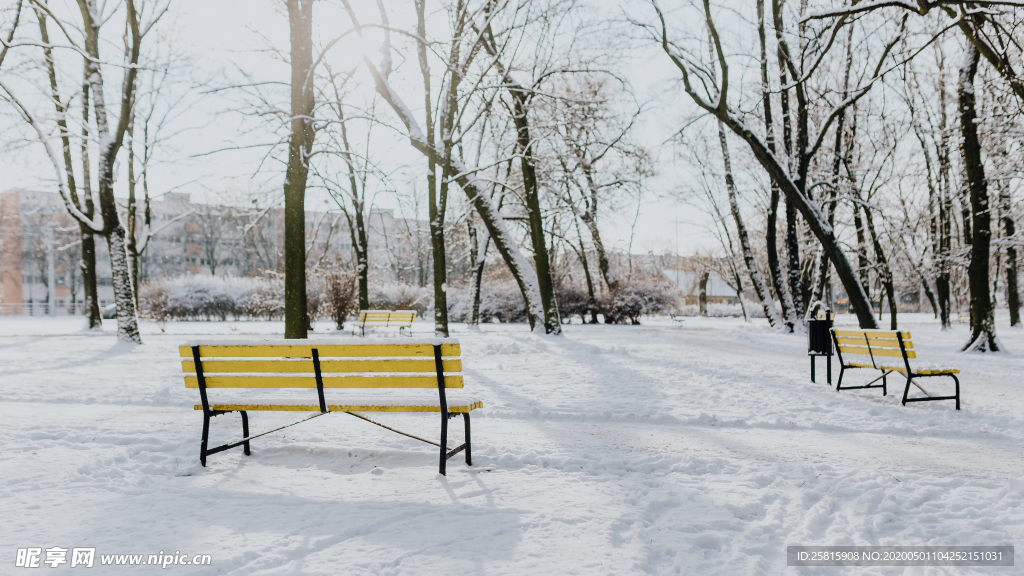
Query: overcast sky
x,y
222,38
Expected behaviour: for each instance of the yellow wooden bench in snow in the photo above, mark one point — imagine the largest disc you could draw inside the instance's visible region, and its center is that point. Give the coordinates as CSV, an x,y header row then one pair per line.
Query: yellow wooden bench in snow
x,y
401,319
307,376
889,351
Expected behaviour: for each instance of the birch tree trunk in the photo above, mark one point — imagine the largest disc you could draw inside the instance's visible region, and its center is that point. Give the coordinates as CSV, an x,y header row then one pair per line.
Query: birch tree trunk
x,y
300,146
983,329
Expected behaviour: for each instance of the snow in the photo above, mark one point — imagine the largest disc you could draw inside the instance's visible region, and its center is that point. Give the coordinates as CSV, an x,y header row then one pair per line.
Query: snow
x,y
654,449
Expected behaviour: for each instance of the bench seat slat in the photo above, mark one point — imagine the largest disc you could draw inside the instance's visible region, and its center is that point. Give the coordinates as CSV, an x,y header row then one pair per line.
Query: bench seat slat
x,y
365,350
903,369
457,408
260,381
875,351
297,365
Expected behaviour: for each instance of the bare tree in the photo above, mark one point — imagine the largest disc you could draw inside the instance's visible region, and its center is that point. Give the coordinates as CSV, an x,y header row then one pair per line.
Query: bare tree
x,y
793,185
461,173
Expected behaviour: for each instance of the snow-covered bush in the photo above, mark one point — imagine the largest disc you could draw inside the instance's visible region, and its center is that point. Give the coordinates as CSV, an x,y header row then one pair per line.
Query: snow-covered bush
x,y
211,297
341,295
575,301
638,296
399,296
500,300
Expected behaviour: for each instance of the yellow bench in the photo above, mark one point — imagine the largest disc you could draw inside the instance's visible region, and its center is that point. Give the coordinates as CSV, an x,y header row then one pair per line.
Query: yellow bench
x,y
306,376
402,319
889,351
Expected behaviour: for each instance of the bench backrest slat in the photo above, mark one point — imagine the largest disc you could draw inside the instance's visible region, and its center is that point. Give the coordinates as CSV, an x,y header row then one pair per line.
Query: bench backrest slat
x,y
355,365
880,342
305,365
396,318
325,350
874,343
348,381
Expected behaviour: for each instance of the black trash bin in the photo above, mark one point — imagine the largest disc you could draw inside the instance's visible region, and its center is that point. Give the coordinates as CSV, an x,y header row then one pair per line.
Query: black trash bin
x,y
819,343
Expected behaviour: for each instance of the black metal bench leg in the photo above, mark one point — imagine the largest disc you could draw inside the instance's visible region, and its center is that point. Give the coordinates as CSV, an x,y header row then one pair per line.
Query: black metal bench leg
x,y
955,379
839,383
469,453
245,431
885,391
906,390
444,443
206,435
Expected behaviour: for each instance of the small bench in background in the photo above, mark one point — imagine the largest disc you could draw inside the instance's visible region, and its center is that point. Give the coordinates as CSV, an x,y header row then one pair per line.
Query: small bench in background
x,y
401,319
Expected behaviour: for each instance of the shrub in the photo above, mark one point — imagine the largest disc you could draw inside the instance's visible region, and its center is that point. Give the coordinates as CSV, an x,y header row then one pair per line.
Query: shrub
x,y
640,295
399,296
341,295
208,297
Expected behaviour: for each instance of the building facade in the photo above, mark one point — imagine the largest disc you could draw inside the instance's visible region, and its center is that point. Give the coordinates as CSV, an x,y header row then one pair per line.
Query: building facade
x,y
40,247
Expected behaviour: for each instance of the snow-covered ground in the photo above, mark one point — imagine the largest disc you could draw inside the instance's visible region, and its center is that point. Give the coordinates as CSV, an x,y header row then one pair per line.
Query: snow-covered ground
x,y
662,449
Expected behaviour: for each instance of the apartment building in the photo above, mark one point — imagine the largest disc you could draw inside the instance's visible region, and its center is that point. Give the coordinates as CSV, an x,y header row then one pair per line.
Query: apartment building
x,y
40,246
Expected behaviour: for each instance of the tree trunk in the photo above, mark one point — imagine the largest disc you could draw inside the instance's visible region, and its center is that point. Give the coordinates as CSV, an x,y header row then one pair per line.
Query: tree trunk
x,y
132,217
361,247
771,236
792,275
741,229
127,319
702,298
300,145
983,329
863,264
1009,230
885,271
438,251
552,323
477,257
91,307
774,265
942,281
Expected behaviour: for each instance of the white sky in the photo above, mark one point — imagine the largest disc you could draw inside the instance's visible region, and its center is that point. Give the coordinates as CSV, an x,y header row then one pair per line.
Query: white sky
x,y
223,37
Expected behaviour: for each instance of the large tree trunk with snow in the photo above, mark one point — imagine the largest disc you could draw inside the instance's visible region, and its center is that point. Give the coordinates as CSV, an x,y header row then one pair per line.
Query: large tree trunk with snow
x,y
552,323
760,287
110,143
300,146
983,329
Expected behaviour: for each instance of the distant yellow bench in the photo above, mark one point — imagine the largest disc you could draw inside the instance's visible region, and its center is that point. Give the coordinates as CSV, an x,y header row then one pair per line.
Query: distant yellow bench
x,y
282,376
401,319
889,351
